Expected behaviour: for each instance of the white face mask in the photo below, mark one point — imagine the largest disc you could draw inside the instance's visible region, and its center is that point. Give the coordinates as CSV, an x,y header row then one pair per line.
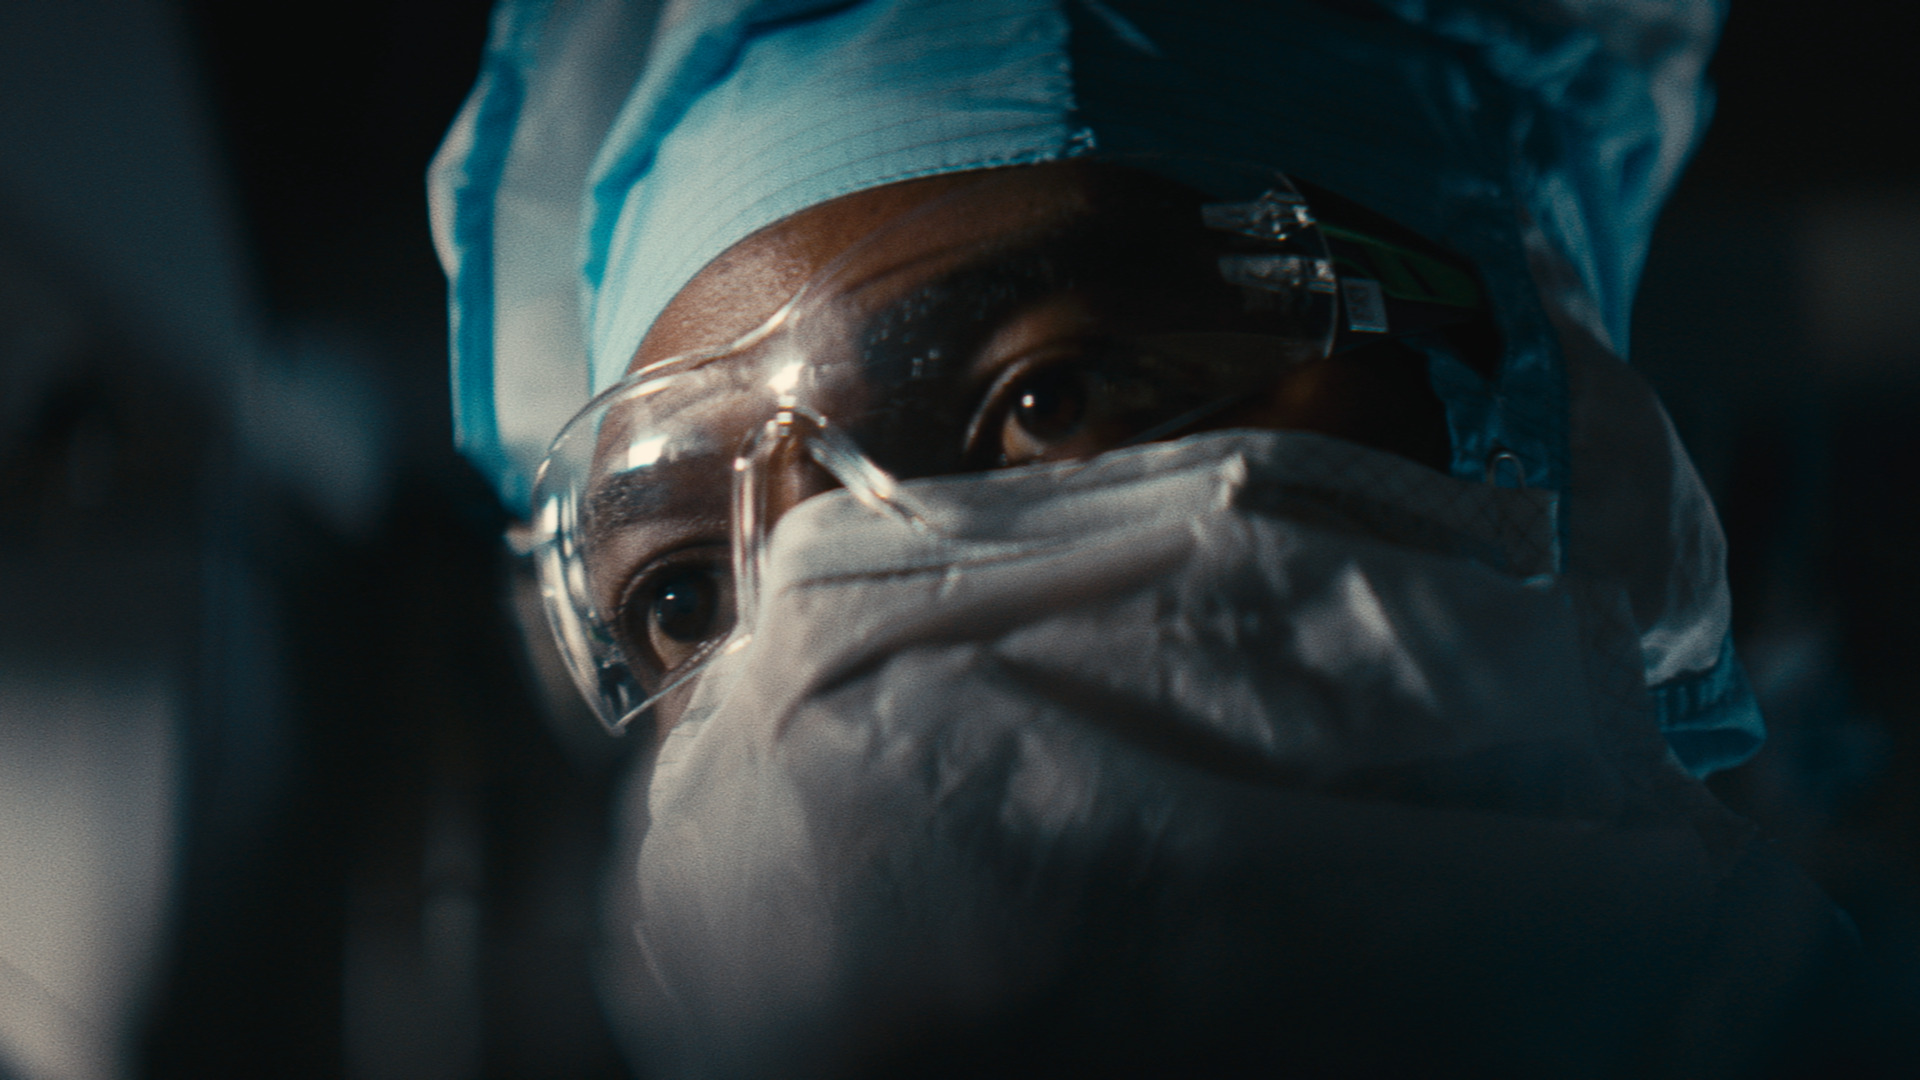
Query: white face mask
x,y
1197,744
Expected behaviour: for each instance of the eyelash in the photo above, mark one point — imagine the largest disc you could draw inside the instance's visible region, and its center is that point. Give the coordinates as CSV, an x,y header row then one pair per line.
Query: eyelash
x,y
632,614
998,402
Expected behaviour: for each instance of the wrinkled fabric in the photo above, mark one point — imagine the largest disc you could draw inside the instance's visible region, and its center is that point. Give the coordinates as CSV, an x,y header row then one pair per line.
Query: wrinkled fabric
x,y
1116,753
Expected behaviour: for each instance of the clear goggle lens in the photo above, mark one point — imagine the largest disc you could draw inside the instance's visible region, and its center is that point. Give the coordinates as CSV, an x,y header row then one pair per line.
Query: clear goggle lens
x,y
985,329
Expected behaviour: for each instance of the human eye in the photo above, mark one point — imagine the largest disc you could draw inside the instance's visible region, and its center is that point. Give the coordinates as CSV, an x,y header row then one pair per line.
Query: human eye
x,y
1044,412
1071,400
675,609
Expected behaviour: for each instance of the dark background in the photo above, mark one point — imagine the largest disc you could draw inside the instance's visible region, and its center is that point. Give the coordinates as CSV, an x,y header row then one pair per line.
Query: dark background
x,y
225,469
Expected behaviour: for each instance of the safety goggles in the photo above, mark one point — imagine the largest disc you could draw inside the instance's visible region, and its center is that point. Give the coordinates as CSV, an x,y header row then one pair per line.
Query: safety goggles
x,y
985,329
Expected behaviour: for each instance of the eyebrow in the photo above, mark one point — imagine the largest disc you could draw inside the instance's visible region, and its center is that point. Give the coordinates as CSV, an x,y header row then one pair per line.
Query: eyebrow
x,y
944,321
620,501
647,497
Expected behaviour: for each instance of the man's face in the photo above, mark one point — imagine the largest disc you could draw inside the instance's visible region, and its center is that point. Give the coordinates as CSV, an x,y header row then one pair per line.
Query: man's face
x,y
1018,391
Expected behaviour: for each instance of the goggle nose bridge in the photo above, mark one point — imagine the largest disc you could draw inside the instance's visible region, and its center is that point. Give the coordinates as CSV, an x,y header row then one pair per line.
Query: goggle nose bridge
x,y
835,452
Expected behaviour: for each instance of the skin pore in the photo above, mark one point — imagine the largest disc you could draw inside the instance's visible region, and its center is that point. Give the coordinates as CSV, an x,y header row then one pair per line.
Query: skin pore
x,y
669,574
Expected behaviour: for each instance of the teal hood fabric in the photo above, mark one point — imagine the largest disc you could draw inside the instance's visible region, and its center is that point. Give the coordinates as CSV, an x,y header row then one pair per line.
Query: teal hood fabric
x,y
610,150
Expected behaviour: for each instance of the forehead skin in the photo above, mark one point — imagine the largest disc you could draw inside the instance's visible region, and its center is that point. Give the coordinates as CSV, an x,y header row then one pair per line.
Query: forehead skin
x,y
747,283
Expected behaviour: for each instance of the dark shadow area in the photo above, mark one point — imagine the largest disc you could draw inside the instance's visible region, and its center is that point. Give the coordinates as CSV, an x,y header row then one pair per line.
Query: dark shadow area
x,y
1780,320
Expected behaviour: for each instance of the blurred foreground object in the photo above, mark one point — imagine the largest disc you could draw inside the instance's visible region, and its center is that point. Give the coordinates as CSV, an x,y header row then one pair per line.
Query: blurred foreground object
x,y
122,330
